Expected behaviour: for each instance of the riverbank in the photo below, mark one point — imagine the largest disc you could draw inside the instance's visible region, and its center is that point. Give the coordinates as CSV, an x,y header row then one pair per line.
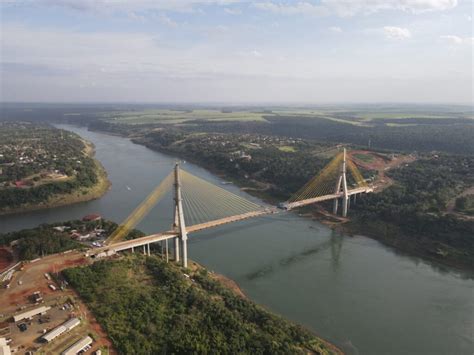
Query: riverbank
x,y
235,288
79,195
162,306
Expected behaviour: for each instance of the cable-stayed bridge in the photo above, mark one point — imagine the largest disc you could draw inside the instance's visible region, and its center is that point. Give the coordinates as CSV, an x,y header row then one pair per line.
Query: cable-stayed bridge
x,y
200,205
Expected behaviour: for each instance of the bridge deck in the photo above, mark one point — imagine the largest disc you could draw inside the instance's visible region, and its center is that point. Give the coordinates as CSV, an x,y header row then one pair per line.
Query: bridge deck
x,y
310,201
134,243
128,244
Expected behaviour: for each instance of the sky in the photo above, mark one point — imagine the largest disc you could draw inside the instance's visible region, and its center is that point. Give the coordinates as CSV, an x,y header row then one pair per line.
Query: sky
x,y
231,51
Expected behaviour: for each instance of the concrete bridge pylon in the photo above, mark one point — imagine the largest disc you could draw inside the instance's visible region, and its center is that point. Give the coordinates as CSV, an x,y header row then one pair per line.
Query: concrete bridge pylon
x,y
180,242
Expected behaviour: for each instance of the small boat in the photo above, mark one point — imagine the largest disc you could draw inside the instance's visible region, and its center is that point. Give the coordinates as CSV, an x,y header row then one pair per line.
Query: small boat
x,y
128,188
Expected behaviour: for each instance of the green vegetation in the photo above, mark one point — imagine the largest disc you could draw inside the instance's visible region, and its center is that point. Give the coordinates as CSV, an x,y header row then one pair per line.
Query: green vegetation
x,y
287,149
281,172
38,163
364,157
465,204
166,116
149,307
57,237
411,214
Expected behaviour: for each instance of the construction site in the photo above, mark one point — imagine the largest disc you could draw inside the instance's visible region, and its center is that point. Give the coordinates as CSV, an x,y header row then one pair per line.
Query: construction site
x,y
42,315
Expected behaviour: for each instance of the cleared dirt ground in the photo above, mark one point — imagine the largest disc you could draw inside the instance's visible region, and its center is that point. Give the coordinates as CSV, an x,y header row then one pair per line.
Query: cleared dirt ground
x,y
381,164
16,299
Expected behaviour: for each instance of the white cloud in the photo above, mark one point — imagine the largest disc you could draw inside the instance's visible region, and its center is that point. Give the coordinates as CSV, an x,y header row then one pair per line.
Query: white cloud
x,y
452,39
124,5
399,33
230,11
352,8
456,40
167,21
300,8
335,29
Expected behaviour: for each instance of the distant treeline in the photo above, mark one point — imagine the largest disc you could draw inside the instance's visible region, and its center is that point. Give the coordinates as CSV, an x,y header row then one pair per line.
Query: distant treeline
x,y
455,137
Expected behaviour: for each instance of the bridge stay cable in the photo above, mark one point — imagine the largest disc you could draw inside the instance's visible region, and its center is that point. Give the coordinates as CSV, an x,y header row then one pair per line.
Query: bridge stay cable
x,y
200,204
141,211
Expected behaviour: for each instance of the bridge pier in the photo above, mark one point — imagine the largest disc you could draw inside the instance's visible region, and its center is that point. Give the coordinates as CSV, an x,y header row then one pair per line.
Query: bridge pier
x,y
148,247
345,206
336,200
176,249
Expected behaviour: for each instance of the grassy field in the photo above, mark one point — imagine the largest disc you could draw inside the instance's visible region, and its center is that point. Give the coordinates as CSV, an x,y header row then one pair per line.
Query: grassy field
x,y
180,116
364,157
287,149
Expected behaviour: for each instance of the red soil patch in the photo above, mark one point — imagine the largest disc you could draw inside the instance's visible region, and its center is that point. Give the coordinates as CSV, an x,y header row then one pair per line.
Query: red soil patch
x,y
6,259
380,164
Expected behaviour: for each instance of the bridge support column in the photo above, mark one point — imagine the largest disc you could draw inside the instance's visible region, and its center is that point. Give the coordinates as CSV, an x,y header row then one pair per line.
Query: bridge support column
x,y
176,249
148,247
144,249
133,250
336,200
179,223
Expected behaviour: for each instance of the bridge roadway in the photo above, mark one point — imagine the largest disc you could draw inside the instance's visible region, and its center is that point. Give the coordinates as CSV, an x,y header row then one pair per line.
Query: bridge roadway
x,y
134,243
309,201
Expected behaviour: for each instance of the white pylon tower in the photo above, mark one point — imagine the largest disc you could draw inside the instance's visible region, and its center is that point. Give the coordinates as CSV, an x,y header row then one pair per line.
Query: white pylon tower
x,y
342,181
345,196
179,224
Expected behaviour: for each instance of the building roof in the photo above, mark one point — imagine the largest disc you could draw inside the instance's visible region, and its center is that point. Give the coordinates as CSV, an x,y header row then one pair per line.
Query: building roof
x,y
30,313
91,217
4,348
71,323
66,326
54,333
77,346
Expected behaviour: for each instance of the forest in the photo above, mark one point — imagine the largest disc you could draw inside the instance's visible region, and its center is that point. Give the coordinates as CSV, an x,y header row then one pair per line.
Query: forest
x,y
148,306
412,215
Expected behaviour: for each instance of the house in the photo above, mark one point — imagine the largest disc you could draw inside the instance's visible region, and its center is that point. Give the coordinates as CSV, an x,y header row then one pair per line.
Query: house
x,y
92,217
19,183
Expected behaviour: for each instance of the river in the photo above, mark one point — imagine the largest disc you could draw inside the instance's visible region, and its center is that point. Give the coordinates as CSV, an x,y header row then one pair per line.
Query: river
x,y
353,291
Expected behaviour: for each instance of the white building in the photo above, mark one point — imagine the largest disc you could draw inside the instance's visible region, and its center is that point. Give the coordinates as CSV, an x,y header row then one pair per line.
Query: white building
x,y
4,348
31,313
63,328
78,346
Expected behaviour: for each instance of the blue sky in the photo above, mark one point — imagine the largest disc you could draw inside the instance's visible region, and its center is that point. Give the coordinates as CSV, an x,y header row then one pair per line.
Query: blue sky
x,y
237,51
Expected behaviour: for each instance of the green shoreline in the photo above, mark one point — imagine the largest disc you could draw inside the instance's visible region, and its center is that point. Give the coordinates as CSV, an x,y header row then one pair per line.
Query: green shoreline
x,y
80,195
